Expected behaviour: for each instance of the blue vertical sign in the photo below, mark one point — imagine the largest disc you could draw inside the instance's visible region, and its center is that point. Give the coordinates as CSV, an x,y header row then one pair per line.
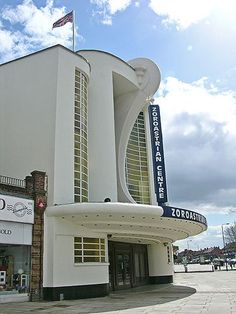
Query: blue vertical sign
x,y
157,154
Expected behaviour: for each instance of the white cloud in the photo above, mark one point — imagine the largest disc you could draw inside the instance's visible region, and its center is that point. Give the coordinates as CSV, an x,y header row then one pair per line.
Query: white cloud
x,y
181,13
184,13
107,8
6,40
115,6
199,133
210,238
34,29
190,48
207,207
199,97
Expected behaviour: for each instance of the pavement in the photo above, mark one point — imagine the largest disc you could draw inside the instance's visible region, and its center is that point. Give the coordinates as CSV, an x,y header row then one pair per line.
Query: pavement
x,y
207,292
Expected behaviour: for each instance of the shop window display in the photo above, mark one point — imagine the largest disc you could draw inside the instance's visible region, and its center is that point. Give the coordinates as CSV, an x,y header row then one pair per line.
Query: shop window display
x,y
14,268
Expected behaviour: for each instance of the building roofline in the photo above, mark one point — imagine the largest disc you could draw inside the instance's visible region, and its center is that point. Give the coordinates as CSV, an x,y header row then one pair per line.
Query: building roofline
x,y
45,49
105,52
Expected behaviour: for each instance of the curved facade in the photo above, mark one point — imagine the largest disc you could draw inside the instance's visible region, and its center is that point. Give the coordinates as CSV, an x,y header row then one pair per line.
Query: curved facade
x,y
136,164
81,137
103,223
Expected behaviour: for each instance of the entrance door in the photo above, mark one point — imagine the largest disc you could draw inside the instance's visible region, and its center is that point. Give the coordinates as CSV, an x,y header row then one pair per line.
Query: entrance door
x,y
140,265
123,269
128,265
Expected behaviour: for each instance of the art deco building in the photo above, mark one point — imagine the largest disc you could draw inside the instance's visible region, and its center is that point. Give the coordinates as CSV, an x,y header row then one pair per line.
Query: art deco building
x,y
87,120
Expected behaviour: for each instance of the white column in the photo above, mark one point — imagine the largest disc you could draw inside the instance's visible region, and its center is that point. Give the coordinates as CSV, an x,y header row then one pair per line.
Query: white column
x,y
160,262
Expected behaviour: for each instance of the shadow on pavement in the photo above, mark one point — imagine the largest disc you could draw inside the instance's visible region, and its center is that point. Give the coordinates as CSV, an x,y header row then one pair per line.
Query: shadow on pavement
x,y
135,298
139,297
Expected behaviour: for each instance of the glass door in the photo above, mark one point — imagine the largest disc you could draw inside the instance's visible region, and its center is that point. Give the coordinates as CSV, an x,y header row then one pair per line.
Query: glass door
x,y
128,265
123,272
140,266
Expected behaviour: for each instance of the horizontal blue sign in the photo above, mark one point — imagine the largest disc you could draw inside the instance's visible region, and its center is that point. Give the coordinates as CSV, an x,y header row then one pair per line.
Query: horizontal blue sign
x,y
184,214
157,154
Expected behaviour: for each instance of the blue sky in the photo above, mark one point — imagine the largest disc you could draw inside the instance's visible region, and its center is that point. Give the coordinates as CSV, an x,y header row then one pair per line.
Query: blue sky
x,y
193,43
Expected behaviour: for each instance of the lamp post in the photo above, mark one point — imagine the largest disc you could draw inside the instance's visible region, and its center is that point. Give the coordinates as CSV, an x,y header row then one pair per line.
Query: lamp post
x,y
223,238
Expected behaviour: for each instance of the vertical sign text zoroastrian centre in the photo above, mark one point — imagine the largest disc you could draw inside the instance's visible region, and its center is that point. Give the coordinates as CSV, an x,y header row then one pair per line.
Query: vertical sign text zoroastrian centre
x,y
157,154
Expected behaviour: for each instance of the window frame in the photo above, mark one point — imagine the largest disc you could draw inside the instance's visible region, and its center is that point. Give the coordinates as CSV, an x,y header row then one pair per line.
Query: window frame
x,y
86,244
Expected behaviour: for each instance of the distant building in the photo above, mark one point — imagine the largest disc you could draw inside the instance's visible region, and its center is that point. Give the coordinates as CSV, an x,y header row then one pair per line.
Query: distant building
x,y
206,254
211,253
86,119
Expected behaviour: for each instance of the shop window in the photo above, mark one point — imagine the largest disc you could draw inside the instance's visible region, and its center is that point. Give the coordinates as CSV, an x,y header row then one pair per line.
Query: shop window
x,y
14,269
88,250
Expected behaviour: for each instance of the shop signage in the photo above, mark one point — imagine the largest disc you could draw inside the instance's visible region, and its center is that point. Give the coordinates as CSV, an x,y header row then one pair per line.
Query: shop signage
x,y
16,209
157,154
40,204
184,214
15,233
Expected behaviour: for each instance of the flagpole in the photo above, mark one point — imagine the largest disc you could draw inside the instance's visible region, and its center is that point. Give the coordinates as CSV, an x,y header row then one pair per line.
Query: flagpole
x,y
74,30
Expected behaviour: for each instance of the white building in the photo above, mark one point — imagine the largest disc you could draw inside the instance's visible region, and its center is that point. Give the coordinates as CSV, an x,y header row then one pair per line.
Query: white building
x,y
83,119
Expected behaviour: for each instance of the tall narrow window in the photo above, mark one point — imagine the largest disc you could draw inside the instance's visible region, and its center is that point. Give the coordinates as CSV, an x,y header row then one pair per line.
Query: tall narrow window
x,y
136,163
168,254
81,138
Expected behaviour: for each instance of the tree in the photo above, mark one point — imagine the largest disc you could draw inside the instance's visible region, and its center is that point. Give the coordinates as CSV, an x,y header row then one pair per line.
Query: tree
x,y
230,233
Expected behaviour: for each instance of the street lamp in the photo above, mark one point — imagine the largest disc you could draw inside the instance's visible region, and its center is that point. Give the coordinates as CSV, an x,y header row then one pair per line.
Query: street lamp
x,y
223,238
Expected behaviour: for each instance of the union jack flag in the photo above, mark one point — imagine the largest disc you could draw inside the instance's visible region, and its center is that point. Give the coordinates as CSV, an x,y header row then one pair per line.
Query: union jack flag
x,y
65,19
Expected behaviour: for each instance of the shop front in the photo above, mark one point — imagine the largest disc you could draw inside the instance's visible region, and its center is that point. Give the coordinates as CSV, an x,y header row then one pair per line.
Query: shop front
x,y
16,220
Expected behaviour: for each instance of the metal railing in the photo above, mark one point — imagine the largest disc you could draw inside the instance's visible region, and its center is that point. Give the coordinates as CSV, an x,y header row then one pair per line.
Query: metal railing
x,y
12,181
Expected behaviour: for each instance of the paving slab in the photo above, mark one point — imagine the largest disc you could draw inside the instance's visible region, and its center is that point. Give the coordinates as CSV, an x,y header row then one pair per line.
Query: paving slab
x,y
211,293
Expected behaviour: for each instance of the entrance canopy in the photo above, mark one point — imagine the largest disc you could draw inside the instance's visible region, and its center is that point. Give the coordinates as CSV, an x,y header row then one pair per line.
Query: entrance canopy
x,y
128,222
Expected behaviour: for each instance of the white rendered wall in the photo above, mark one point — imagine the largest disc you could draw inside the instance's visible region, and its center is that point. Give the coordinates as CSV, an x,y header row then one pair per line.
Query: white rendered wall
x,y
36,118
59,267
27,115
64,131
101,133
158,260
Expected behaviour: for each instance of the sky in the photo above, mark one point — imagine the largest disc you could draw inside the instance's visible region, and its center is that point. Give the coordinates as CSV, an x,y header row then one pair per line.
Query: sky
x,y
193,43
